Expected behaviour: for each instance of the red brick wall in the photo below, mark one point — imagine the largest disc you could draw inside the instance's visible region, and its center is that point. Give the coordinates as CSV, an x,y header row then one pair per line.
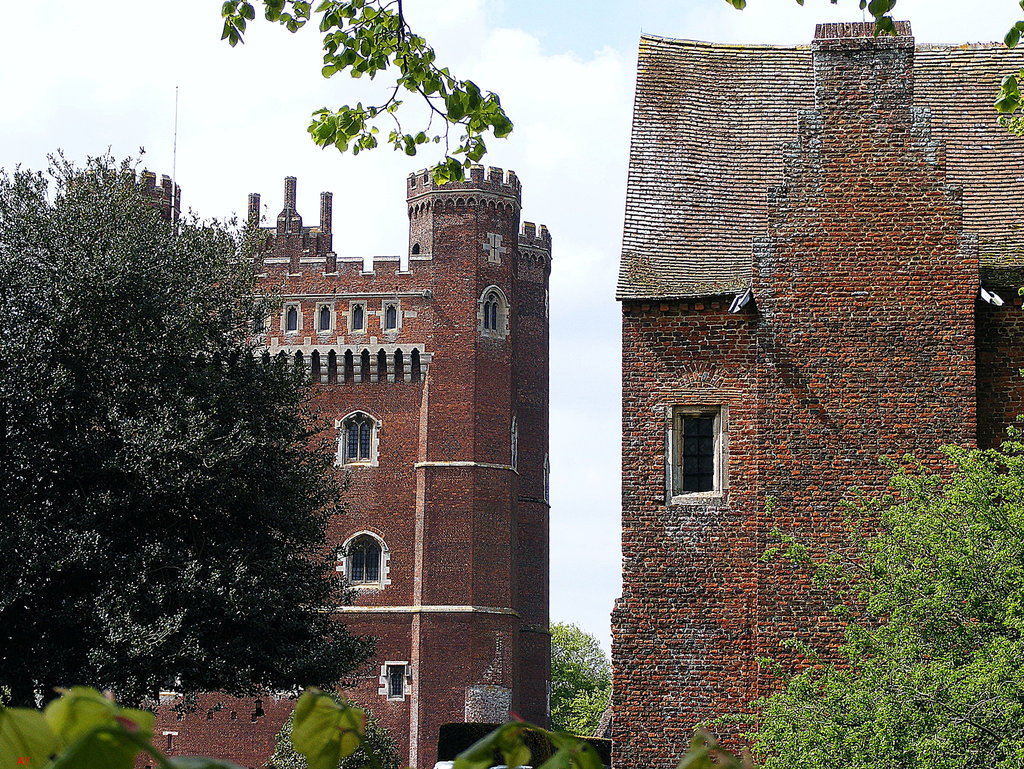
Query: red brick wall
x,y
442,494
683,641
861,346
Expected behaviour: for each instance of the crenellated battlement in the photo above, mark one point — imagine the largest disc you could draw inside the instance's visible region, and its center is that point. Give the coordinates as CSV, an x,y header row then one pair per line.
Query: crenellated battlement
x,y
531,237
493,180
166,197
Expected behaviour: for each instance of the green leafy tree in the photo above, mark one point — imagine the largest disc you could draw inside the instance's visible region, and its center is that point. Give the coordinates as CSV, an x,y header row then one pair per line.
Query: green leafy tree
x,y
377,749
162,511
581,680
372,37
930,673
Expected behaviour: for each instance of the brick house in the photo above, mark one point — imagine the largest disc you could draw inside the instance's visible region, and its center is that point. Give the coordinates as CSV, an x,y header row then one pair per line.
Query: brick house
x,y
431,374
808,232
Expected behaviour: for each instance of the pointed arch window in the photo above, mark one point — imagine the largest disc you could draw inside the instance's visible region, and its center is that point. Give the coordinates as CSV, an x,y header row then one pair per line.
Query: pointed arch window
x,y
365,561
493,314
391,317
358,317
291,318
324,318
357,439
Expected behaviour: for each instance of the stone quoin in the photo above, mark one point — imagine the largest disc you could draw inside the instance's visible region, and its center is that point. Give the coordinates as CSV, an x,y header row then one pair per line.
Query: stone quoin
x,y
807,233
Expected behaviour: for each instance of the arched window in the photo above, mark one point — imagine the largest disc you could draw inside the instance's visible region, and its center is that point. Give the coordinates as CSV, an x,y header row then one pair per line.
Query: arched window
x,y
382,366
399,366
324,321
291,319
300,362
349,374
358,315
365,561
364,366
415,364
415,249
357,439
493,313
391,317
314,366
332,367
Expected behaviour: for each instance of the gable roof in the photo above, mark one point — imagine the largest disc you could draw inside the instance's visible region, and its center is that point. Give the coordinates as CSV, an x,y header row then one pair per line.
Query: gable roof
x,y
709,122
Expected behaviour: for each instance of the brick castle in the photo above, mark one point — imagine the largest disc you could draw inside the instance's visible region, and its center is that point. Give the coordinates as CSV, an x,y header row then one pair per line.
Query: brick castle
x,y
431,379
808,234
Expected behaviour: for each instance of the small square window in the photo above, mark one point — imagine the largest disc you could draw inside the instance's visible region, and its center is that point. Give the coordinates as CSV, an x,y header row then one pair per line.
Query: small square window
x,y
696,453
394,680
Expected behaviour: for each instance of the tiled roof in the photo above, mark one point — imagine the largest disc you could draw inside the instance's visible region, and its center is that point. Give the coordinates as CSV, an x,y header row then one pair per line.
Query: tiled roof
x,y
708,125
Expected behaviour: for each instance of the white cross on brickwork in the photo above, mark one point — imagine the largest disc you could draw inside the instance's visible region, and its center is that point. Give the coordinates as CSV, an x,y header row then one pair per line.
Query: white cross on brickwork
x,y
494,248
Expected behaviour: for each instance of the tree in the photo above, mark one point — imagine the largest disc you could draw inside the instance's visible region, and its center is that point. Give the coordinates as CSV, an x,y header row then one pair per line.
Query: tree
x,y
930,672
369,37
376,750
162,512
581,680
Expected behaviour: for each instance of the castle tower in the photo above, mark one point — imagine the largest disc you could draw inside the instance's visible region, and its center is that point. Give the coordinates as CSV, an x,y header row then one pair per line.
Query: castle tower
x,y
431,374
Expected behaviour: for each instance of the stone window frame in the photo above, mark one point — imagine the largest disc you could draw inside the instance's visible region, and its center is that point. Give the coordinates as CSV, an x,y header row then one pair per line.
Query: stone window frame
x,y
397,304
502,330
673,453
351,313
343,563
386,669
341,425
333,315
298,317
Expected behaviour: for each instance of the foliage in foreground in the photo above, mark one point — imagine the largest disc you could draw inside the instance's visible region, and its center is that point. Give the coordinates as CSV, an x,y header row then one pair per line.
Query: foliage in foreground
x,y
82,729
931,673
162,516
377,749
581,680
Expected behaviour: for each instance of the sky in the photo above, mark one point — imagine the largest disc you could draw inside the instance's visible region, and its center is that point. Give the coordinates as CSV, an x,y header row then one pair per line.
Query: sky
x,y
86,78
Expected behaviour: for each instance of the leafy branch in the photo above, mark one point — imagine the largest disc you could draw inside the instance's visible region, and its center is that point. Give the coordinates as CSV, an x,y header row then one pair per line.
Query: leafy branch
x,y
368,37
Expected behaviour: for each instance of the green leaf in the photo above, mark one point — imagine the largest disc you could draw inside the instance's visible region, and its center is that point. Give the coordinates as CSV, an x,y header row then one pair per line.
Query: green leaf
x,y
1012,37
80,710
880,7
102,748
24,733
324,731
885,26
